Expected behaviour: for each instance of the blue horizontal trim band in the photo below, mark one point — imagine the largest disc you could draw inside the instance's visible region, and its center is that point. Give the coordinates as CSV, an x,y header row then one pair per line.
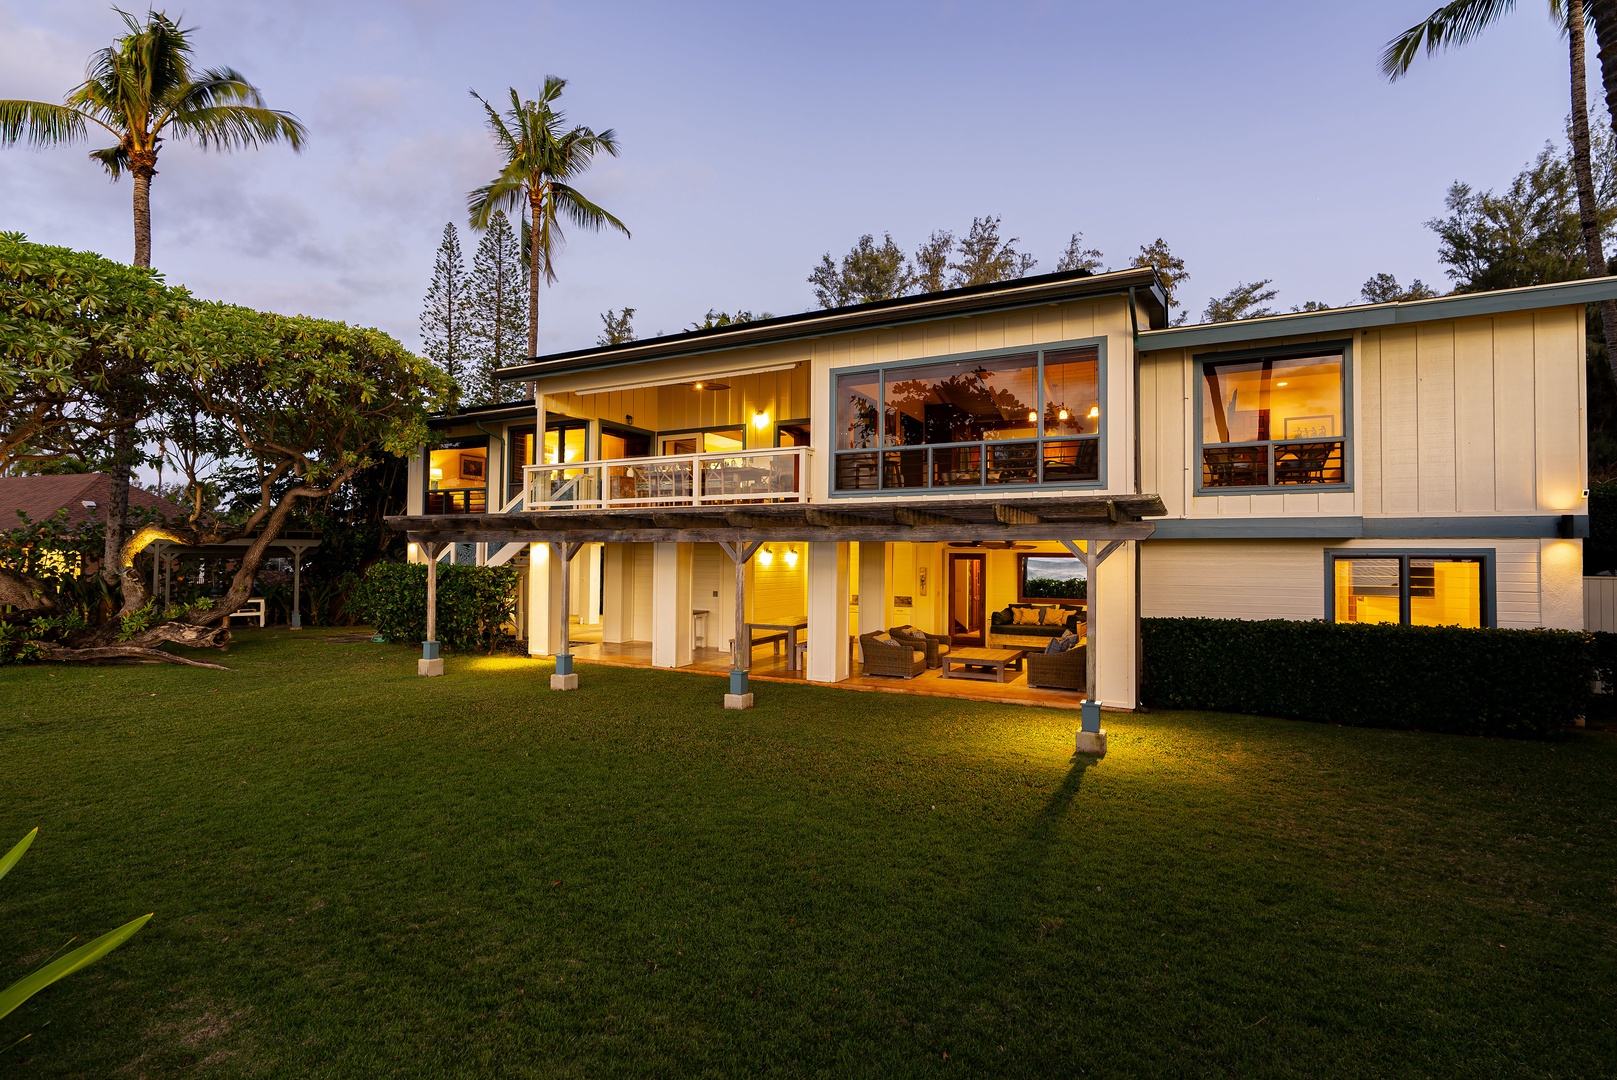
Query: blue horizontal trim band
x,y
1522,527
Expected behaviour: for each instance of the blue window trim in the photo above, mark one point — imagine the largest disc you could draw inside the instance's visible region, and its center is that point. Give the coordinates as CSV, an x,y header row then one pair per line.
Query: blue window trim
x,y
1199,363
1487,556
1039,349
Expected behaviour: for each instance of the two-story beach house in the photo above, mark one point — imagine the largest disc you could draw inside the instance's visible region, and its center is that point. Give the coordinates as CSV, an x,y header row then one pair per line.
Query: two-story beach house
x,y
959,462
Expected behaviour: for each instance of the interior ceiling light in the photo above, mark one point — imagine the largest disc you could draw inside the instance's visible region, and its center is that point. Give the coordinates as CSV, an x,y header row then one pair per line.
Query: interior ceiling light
x,y
1063,414
1282,382
710,386
1094,412
1032,417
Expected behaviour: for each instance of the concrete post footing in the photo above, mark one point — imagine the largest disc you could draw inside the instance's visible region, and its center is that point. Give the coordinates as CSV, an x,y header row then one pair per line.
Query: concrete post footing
x,y
564,682
1092,742
429,668
738,701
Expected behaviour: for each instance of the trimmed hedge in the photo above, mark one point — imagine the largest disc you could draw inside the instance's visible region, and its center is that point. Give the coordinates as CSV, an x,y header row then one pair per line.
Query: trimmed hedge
x,y
474,603
1434,678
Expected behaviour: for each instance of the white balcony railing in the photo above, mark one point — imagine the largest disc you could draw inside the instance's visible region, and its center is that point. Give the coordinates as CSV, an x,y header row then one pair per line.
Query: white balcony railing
x,y
737,476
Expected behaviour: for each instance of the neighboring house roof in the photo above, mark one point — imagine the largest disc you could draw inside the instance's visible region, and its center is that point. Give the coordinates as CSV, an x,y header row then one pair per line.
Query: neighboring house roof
x,y
951,303
474,413
83,495
1365,316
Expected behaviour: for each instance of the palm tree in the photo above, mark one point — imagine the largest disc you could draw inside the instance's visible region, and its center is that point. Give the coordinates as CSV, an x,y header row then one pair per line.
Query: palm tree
x,y
542,157
141,90
1457,23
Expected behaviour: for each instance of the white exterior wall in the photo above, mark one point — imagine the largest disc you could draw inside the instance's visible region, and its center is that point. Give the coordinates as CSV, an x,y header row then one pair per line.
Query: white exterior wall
x,y
1538,583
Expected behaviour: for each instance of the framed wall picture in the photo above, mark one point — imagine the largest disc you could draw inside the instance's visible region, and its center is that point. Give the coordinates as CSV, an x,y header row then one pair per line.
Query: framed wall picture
x,y
1310,427
472,467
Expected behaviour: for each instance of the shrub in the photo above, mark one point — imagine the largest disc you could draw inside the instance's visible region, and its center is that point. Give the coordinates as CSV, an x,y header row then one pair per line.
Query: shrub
x,y
474,603
1435,678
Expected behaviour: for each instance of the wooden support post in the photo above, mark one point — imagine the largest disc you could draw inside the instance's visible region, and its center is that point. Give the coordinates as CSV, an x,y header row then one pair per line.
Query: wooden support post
x,y
565,678
740,696
297,588
431,663
1091,738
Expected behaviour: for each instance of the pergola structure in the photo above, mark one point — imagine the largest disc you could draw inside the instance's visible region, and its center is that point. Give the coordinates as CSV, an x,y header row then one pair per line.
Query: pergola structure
x,y
297,546
1100,522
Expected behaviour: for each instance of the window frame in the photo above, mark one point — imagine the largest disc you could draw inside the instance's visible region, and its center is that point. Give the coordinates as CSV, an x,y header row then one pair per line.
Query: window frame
x,y
1486,556
1039,349
1021,579
1199,363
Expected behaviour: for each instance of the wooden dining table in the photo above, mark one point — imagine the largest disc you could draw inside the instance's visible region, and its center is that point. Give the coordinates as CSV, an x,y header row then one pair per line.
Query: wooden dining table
x,y
788,626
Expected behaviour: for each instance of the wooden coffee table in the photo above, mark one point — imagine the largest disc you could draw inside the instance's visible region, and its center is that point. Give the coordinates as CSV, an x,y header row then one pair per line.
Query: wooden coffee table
x,y
986,664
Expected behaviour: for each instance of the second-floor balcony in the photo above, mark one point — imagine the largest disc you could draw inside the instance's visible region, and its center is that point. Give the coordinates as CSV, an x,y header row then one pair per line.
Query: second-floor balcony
x,y
735,476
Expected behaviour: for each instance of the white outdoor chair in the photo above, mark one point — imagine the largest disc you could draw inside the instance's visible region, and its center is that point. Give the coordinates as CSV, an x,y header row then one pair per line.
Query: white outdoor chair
x,y
252,609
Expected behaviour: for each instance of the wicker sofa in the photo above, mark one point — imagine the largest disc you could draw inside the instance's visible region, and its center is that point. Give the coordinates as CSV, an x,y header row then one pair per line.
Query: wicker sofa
x,y
884,656
1003,633
937,645
1058,671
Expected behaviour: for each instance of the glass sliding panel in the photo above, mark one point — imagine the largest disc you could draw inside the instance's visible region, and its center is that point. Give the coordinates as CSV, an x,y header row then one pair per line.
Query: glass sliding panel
x,y
721,440
564,445
858,399
954,466
1445,592
1235,466
1294,401
1013,463
1072,392
792,434
1071,461
1367,590
904,468
961,402
617,443
856,472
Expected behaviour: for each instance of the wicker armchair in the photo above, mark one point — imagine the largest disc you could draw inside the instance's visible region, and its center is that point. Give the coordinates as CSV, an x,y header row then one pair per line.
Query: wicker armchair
x,y
904,659
937,645
1057,671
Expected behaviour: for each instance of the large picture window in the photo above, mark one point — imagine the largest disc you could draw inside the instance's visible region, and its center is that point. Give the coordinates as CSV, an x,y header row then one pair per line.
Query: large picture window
x,y
1411,588
1273,421
1050,577
1020,419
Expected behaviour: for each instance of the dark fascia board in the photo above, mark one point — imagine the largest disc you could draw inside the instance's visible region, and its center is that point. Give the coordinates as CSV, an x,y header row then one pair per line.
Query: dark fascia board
x,y
1489,526
482,414
1363,317
952,303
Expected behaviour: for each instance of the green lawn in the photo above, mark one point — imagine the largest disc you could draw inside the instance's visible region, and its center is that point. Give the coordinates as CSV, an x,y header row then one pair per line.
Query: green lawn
x,y
357,872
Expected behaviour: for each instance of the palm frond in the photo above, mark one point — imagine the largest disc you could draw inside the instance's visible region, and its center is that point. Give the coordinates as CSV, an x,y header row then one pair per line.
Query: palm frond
x,y
114,159
230,127
505,193
583,213
1451,25
39,123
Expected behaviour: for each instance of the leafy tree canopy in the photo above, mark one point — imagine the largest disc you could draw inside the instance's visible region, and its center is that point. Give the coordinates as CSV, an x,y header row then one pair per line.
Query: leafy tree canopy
x,y
1169,267
617,327
1384,289
868,272
984,257
1245,301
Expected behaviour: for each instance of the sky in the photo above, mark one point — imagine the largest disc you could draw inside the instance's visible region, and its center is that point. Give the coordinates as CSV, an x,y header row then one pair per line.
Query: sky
x,y
1259,139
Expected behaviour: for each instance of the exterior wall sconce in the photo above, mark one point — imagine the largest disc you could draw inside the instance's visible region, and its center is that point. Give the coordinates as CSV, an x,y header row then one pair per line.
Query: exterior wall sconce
x,y
791,558
766,557
760,420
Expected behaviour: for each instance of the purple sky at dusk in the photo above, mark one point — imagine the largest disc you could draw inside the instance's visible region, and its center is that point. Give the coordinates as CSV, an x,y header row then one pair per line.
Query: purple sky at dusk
x,y
1258,138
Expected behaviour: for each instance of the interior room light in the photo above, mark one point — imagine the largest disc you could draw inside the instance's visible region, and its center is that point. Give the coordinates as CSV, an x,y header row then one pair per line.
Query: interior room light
x,y
760,420
437,474
698,386
1094,412
765,557
791,557
1062,414
1282,382
1032,417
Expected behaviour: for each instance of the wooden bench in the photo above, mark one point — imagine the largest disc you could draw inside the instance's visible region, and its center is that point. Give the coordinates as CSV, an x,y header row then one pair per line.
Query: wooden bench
x,y
773,637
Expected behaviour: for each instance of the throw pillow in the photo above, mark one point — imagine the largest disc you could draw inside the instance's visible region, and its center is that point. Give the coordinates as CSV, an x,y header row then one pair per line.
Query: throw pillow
x,y
1063,643
1053,647
1026,616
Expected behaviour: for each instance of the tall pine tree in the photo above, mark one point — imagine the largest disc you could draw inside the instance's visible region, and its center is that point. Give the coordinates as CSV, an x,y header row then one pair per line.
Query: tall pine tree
x,y
499,322
445,315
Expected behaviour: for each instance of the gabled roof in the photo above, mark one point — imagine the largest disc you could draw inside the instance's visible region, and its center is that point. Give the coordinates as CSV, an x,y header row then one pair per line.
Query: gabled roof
x,y
951,303
1365,316
83,495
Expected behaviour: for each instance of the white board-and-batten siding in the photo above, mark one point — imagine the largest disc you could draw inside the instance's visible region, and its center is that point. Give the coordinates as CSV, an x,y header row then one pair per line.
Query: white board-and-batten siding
x,y
1459,416
1537,582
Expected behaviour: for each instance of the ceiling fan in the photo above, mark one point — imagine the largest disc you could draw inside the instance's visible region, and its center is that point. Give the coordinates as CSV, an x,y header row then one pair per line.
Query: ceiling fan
x,y
1001,545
